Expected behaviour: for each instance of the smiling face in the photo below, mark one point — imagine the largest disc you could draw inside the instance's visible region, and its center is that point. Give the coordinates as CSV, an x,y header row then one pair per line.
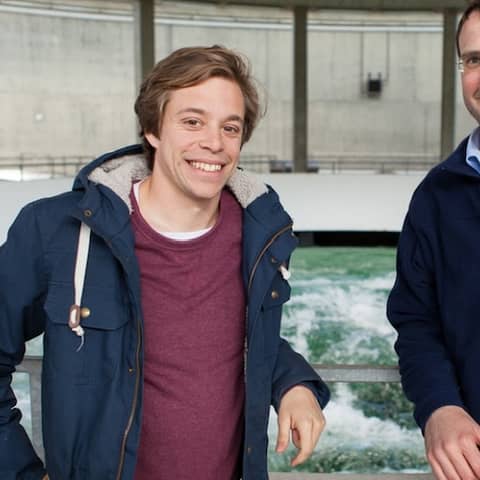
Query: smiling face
x,y
199,142
469,46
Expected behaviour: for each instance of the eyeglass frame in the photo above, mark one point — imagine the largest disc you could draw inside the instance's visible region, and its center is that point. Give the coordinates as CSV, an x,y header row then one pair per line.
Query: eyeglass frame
x,y
462,62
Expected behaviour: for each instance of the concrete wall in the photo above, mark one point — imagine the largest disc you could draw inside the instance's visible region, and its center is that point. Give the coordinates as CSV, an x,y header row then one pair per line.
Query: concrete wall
x,y
66,85
67,81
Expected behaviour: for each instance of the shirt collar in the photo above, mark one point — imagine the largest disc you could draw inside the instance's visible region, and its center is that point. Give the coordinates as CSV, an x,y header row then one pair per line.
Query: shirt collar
x,y
473,150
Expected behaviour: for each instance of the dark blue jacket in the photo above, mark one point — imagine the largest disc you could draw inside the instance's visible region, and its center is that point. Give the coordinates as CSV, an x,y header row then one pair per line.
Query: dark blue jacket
x,y
92,399
435,302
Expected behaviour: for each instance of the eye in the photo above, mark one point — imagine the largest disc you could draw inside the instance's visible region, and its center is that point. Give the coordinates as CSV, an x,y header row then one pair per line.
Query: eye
x,y
472,60
192,122
232,130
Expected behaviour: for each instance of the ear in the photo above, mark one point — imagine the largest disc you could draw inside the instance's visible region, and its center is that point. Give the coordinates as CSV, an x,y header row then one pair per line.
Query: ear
x,y
152,139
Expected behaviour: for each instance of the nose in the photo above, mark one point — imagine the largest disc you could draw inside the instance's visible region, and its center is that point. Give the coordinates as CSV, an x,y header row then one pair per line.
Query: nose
x,y
212,139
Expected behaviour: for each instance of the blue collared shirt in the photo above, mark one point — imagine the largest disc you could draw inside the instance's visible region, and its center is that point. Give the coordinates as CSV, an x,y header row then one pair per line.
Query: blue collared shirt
x,y
473,150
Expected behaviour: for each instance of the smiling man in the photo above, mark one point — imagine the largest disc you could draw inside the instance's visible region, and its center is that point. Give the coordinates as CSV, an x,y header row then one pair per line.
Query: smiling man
x,y
434,304
159,283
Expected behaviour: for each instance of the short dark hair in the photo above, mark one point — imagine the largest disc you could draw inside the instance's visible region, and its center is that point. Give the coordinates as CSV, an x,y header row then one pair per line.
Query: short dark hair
x,y
473,6
187,67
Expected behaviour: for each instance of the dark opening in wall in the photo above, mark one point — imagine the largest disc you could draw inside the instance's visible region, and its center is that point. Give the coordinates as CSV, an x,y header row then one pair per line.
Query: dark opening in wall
x,y
374,85
348,239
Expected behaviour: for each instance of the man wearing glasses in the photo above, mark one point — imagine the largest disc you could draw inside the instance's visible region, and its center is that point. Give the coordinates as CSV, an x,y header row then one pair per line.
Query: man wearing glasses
x,y
435,302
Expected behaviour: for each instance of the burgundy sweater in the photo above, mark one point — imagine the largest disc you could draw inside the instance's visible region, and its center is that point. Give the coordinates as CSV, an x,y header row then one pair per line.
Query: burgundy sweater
x,y
194,328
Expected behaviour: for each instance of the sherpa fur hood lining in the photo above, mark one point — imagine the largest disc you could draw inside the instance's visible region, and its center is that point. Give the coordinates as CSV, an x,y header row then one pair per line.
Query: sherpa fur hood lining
x,y
118,174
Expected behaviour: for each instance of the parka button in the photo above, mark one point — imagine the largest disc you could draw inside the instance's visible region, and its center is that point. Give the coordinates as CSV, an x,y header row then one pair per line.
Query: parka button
x,y
130,370
274,294
273,260
85,312
87,212
249,450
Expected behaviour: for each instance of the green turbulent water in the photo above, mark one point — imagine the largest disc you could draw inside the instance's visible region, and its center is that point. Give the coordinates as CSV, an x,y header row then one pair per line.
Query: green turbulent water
x,y
337,315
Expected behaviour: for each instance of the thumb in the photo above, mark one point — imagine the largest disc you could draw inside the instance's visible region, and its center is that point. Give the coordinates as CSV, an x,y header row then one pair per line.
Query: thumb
x,y
283,433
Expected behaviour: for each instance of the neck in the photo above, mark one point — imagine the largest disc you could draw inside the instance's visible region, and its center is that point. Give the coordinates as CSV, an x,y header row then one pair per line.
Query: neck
x,y
167,211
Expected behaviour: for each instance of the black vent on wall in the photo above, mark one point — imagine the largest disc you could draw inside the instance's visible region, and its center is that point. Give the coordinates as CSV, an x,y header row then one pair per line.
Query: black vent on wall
x,y
374,85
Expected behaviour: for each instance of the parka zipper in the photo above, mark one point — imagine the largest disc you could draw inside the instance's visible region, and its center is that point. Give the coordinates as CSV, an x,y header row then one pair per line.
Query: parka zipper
x,y
134,402
249,285
262,253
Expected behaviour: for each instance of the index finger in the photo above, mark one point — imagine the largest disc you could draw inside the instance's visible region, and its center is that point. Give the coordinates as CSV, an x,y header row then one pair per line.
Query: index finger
x,y
305,442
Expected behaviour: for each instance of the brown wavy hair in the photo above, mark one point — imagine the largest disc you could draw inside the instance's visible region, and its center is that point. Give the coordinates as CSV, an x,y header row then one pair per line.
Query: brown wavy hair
x,y
187,67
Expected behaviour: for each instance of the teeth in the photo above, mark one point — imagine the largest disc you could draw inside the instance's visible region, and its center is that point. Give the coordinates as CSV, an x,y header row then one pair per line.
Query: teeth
x,y
206,167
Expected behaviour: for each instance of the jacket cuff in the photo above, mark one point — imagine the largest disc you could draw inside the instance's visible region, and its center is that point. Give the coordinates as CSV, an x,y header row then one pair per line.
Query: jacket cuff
x,y
424,409
317,387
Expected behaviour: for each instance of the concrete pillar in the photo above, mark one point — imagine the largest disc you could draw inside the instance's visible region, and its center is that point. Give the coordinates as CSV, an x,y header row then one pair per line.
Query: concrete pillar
x,y
144,30
449,75
300,125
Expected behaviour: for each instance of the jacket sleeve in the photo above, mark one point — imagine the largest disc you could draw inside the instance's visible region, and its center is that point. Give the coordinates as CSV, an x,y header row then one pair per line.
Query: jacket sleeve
x,y
21,284
426,368
292,369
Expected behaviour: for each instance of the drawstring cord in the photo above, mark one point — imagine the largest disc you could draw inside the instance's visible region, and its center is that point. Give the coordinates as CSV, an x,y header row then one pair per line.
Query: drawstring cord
x,y
286,274
78,281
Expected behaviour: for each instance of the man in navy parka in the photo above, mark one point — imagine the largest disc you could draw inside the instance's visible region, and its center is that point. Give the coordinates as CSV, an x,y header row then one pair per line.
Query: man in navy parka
x,y
158,283
435,302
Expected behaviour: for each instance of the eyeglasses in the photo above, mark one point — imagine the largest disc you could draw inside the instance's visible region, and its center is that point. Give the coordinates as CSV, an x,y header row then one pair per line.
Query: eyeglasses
x,y
469,62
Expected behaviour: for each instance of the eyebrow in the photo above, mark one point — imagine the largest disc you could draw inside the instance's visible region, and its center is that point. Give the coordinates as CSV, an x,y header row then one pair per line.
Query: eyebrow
x,y
470,52
200,111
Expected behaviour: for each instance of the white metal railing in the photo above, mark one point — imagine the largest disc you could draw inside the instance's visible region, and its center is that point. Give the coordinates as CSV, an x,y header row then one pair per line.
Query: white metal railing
x,y
29,167
360,162
330,373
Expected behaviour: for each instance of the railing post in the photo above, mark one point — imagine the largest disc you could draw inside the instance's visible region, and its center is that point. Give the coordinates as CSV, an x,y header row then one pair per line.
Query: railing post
x,y
36,407
33,367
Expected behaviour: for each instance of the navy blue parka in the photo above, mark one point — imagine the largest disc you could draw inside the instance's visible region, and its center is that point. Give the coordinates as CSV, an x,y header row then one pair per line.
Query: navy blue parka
x,y
92,399
435,302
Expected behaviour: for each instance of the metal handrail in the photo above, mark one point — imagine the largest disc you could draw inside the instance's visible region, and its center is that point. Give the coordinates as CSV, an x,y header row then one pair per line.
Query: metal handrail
x,y
27,166
32,365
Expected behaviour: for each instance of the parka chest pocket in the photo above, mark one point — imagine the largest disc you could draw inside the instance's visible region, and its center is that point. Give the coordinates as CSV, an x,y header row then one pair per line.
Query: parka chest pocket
x,y
277,295
103,318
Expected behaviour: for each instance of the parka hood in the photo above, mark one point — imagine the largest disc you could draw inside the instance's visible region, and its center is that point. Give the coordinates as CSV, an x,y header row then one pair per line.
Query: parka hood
x,y
119,169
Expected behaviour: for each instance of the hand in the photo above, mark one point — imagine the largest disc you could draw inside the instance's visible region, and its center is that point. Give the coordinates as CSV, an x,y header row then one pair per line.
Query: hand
x,y
451,442
299,412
